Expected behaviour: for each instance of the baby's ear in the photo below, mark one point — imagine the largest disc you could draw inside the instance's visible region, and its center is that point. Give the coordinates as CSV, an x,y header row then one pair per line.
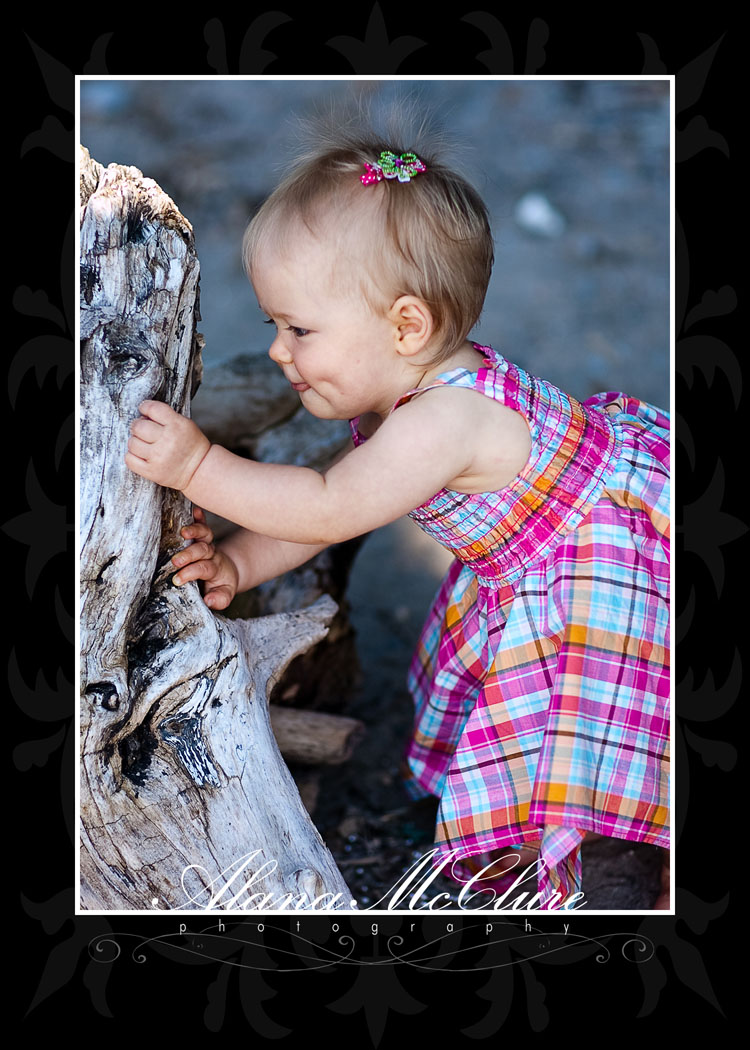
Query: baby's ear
x,y
413,324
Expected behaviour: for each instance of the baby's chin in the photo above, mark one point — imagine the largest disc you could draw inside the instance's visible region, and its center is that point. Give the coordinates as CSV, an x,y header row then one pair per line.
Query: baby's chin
x,y
330,413
321,409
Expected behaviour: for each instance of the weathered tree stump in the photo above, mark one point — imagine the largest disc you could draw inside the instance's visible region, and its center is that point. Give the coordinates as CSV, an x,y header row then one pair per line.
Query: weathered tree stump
x,y
182,783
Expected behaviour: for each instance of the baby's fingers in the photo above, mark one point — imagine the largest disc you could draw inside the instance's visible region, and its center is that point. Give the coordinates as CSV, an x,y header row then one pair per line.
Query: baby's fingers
x,y
197,554
139,449
198,529
196,570
157,410
218,597
146,430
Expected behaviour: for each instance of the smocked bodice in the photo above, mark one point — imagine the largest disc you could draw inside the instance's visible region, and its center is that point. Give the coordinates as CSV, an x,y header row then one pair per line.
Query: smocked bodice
x,y
574,449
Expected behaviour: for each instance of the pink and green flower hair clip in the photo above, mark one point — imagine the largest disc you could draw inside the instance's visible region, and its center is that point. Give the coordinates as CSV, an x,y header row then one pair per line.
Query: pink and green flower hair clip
x,y
391,166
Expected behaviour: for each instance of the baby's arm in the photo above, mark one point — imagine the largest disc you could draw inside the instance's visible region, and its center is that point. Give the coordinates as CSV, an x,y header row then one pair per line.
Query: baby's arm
x,y
414,454
237,563
240,561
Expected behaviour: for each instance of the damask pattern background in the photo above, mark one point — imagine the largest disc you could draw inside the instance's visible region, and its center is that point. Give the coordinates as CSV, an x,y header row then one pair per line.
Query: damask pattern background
x,y
65,965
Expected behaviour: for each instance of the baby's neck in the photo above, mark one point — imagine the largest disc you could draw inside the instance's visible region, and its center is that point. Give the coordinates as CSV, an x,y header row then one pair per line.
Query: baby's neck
x,y
465,357
415,374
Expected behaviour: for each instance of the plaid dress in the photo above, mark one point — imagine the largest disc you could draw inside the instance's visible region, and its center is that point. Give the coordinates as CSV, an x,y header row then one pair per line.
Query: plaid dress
x,y
541,677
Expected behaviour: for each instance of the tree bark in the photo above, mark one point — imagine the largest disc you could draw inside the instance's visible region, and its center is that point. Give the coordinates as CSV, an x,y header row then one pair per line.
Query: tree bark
x,y
182,783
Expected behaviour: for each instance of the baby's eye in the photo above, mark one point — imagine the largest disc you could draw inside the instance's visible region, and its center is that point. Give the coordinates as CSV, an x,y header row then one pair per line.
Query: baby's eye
x,y
299,332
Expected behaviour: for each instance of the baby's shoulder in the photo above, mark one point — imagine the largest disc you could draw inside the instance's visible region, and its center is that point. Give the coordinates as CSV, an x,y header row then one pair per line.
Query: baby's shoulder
x,y
496,438
471,408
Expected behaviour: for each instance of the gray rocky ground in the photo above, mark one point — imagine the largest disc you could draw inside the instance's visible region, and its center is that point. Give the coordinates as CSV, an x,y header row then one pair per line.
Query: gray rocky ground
x,y
576,176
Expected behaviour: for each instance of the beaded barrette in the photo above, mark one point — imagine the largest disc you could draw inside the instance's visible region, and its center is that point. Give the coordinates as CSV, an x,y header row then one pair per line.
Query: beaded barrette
x,y
391,166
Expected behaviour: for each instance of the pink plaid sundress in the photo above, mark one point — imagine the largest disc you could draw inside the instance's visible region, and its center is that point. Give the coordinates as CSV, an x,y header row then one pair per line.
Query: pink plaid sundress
x,y
541,677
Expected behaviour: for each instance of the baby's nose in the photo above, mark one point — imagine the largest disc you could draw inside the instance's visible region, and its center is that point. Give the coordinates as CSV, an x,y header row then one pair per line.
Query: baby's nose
x,y
279,353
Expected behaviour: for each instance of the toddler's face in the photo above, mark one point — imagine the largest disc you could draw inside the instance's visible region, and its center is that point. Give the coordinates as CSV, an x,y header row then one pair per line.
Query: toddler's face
x,y
337,354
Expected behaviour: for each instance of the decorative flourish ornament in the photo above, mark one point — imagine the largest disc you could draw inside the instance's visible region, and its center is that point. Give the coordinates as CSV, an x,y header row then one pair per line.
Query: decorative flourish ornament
x,y
391,166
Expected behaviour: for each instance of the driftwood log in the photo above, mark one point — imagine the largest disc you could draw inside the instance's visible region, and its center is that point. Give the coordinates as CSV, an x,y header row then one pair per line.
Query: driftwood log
x,y
314,738
185,800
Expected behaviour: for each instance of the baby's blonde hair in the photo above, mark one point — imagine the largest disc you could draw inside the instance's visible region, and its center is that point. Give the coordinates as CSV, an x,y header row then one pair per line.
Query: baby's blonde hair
x,y
429,237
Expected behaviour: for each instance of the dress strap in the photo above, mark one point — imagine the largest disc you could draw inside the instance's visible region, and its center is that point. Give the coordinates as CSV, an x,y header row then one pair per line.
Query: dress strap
x,y
420,390
457,376
357,438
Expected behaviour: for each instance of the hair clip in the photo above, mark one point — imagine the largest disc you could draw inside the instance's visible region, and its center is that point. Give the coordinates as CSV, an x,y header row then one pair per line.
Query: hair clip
x,y
391,166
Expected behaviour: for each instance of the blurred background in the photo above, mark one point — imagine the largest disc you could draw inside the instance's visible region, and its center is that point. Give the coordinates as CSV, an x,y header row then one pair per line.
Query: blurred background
x,y
575,174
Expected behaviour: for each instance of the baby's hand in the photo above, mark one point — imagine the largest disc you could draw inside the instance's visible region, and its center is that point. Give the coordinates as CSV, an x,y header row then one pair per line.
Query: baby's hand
x,y
202,561
165,447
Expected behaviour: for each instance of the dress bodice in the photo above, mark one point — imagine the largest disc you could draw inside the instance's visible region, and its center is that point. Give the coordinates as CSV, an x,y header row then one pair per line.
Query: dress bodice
x,y
574,449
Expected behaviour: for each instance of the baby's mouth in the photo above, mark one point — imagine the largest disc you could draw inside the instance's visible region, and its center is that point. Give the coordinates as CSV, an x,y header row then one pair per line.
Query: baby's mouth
x,y
300,387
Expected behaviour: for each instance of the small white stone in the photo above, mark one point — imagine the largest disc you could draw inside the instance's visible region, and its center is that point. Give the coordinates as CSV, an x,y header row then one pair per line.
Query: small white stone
x,y
535,214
